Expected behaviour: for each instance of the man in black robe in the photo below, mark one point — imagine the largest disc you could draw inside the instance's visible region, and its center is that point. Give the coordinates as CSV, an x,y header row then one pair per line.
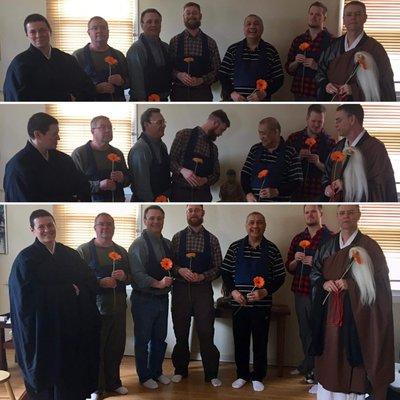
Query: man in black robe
x,y
44,73
54,316
39,172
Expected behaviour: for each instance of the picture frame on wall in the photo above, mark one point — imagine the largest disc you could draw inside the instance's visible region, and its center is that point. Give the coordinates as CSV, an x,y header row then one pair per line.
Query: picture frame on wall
x,y
3,229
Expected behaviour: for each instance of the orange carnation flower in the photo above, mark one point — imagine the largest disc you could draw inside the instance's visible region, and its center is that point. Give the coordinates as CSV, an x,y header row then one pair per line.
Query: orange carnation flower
x,y
198,160
153,97
262,174
188,59
337,156
261,84
161,198
190,255
304,46
259,282
304,244
166,263
111,60
114,157
310,142
114,256
362,61
357,257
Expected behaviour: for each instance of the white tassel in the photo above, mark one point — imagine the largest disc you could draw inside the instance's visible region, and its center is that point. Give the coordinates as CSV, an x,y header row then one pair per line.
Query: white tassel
x,y
354,177
368,76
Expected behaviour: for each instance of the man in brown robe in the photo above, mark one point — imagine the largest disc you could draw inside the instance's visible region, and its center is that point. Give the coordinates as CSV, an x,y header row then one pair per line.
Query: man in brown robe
x,y
370,167
352,339
336,63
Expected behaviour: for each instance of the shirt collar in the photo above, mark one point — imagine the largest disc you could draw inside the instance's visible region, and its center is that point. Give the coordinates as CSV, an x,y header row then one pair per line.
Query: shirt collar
x,y
356,140
354,44
190,229
349,240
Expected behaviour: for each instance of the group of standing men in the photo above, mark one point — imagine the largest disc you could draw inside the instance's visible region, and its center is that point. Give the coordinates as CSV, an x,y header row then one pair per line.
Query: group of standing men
x,y
57,328
323,68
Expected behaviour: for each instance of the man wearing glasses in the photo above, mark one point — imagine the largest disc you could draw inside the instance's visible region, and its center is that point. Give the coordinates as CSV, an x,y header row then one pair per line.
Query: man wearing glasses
x,y
148,160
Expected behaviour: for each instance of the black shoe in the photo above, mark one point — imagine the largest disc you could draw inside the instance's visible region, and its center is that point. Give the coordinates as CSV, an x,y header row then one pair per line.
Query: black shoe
x,y
310,378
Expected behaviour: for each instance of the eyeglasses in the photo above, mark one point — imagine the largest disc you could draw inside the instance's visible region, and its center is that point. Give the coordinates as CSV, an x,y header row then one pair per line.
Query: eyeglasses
x,y
103,127
103,224
159,122
349,213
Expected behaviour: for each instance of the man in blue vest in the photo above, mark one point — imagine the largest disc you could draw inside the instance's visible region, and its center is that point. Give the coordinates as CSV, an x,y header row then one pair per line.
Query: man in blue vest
x,y
110,78
151,285
195,58
107,178
198,259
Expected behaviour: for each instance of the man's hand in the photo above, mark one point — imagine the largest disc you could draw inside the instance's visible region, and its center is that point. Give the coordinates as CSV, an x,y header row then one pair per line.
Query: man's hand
x,y
345,90
165,282
300,58
186,79
251,198
313,158
299,256
238,297
341,284
331,88
337,185
199,277
117,176
330,286
258,95
76,289
116,80
191,177
310,63
329,192
108,283
197,81
119,275
269,193
257,295
235,96
187,274
107,184
304,153
308,260
105,87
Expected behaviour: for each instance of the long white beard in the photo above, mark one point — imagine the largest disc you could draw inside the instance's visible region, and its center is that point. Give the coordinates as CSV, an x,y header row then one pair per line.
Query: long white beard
x,y
363,274
355,180
368,78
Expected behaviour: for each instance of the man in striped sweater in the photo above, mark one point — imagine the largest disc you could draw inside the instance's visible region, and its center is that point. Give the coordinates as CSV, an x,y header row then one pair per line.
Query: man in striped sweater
x,y
246,259
248,61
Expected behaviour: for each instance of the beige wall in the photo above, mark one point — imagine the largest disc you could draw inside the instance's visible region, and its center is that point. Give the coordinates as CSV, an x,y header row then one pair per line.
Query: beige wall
x,y
227,223
222,19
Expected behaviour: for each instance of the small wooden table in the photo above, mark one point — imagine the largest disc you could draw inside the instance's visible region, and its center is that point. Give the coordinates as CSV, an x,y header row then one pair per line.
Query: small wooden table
x,y
4,344
279,312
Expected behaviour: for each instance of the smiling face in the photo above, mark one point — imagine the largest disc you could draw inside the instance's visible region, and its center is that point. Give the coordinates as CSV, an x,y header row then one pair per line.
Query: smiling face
x,y
44,229
104,227
255,226
192,17
38,34
102,131
312,215
316,17
154,221
315,122
151,24
253,27
269,137
98,31
194,215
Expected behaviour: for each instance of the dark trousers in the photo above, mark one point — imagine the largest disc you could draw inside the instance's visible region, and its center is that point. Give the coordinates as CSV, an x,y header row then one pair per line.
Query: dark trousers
x,y
180,193
303,311
112,346
57,392
186,93
251,322
150,317
196,300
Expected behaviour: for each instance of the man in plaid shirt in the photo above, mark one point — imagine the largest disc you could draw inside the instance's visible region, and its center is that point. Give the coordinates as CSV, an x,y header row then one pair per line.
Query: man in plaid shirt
x,y
194,159
197,256
312,154
303,64
195,59
298,263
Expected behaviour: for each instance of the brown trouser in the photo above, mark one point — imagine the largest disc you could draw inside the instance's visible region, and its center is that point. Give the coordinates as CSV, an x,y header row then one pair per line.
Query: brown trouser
x,y
196,300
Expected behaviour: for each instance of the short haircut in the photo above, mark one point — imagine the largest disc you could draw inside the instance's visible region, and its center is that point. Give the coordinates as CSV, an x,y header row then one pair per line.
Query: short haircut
x,y
255,16
145,117
317,108
35,18
272,123
103,214
319,206
40,122
197,205
256,213
353,109
148,11
221,115
96,17
192,4
96,119
154,207
320,5
356,205
356,3
39,214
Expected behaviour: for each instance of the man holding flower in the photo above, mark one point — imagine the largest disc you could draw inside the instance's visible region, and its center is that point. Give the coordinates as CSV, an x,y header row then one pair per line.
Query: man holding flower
x,y
110,264
151,285
252,271
298,263
103,165
352,314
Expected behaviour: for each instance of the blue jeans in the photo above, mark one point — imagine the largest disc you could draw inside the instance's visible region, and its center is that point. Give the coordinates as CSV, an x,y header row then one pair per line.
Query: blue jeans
x,y
150,318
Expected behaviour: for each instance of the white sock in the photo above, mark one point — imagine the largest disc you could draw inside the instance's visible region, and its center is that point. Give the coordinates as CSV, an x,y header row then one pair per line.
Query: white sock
x,y
150,384
216,382
257,386
121,390
238,383
164,380
176,378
